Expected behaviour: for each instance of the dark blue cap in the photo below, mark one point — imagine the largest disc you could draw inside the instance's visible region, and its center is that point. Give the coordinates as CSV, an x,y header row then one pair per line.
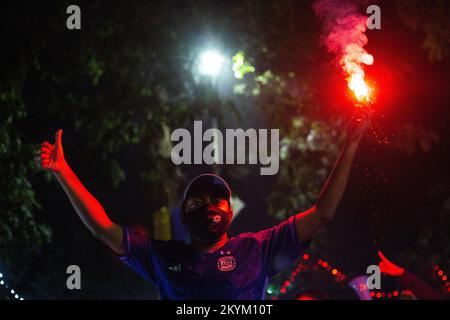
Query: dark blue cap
x,y
206,181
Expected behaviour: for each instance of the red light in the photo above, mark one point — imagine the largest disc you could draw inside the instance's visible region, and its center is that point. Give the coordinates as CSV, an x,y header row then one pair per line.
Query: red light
x,y
447,284
325,264
440,273
372,294
389,295
448,289
379,295
334,272
395,293
286,283
283,290
305,256
436,268
444,278
320,262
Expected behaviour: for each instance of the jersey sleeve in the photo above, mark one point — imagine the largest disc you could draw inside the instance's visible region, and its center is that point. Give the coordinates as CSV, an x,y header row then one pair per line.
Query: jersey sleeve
x,y
280,246
140,253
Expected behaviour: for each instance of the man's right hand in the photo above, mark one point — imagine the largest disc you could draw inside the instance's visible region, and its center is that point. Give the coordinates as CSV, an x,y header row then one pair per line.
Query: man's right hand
x,y
51,156
88,208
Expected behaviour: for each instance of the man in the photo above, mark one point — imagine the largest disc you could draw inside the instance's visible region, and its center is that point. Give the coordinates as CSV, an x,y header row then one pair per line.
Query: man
x,y
213,266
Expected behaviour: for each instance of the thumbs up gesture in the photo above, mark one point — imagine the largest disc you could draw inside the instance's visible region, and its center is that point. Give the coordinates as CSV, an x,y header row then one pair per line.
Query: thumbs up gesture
x,y
51,156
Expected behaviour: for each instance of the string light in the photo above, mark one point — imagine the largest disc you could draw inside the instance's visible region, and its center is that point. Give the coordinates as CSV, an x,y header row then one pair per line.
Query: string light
x,y
442,276
339,276
12,291
302,266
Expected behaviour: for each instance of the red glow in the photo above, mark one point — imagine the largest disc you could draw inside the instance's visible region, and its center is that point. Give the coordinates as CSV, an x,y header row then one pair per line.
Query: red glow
x,y
325,264
372,294
440,273
334,272
283,290
305,256
379,295
444,278
395,293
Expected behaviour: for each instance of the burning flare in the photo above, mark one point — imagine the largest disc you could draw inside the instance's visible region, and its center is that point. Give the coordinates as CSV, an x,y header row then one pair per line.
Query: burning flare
x,y
344,35
359,87
352,62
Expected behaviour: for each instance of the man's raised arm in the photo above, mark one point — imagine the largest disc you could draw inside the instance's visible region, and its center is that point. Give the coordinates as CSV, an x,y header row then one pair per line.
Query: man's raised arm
x,y
310,221
91,212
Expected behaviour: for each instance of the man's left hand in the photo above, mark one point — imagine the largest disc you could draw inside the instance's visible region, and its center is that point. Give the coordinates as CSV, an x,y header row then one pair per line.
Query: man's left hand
x,y
358,124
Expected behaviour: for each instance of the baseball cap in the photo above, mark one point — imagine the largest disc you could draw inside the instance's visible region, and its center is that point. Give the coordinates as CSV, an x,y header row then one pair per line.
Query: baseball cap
x,y
206,181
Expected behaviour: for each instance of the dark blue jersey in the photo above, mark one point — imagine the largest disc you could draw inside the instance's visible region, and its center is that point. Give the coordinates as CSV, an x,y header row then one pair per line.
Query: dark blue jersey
x,y
238,270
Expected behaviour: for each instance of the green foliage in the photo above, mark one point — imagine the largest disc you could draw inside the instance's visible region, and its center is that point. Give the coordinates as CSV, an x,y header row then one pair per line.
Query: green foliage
x,y
410,138
241,66
18,199
304,141
431,19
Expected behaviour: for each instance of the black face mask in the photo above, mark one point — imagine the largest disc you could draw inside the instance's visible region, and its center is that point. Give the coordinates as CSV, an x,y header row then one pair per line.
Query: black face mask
x,y
207,223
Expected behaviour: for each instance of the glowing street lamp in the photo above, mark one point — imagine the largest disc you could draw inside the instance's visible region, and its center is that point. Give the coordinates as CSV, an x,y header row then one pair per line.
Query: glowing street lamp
x,y
210,63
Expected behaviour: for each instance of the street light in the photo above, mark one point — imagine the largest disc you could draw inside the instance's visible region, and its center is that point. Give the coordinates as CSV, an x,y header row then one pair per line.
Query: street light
x,y
210,63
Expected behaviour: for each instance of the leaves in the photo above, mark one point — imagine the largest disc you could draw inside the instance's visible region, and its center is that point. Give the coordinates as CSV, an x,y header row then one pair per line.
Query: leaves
x,y
411,138
431,18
